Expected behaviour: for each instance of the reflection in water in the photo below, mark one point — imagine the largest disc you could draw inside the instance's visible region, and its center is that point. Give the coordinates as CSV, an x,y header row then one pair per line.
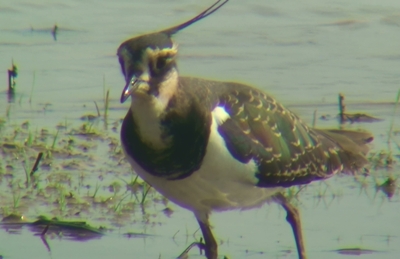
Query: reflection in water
x,y
11,96
70,230
73,231
355,251
54,32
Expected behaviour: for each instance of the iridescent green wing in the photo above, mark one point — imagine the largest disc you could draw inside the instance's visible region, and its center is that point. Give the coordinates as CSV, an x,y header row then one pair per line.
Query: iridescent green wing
x,y
286,151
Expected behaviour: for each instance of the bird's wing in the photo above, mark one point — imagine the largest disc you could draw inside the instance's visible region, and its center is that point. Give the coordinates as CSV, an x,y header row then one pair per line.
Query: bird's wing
x,y
286,151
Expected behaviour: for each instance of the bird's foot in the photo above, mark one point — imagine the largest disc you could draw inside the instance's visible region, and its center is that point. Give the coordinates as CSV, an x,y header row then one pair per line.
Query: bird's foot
x,y
200,245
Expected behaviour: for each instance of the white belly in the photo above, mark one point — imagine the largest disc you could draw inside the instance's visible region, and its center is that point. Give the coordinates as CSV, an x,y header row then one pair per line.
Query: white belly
x,y
221,183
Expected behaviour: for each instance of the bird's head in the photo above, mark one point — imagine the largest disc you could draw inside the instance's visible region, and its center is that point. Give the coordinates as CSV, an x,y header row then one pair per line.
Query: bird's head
x,y
148,62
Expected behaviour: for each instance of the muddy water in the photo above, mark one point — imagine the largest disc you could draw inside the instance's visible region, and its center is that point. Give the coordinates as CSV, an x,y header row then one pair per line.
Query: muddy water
x,y
302,52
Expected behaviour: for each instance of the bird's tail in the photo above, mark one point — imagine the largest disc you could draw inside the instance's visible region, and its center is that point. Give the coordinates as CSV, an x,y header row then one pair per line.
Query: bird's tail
x,y
353,146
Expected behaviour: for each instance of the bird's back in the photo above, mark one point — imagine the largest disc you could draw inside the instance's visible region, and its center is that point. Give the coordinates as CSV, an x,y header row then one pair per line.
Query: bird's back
x,y
286,151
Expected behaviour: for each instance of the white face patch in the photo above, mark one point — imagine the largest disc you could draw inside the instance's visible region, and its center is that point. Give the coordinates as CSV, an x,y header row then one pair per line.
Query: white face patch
x,y
220,115
147,109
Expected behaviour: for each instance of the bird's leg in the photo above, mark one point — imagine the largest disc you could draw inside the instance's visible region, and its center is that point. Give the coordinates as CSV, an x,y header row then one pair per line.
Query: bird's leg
x,y
209,246
293,217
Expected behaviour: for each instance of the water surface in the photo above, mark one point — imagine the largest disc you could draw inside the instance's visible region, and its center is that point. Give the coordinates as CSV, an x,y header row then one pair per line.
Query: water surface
x,y
302,52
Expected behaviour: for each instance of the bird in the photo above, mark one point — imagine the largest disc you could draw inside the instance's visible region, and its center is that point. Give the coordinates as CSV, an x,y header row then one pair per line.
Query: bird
x,y
213,146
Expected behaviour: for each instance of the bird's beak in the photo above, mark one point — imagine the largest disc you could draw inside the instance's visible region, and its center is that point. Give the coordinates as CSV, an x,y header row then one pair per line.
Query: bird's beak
x,y
135,84
128,89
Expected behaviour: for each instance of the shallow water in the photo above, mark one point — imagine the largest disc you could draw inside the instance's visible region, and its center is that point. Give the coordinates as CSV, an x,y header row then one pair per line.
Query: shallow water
x,y
302,52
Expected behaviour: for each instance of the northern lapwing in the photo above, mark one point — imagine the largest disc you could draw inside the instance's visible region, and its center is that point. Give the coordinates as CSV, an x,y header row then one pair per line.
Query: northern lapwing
x,y
215,146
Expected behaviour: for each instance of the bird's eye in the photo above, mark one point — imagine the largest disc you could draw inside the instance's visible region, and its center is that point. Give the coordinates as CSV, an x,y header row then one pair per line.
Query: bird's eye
x,y
161,62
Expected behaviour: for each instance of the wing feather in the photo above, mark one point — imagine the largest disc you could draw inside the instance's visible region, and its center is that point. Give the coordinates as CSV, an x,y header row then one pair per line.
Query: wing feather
x,y
285,149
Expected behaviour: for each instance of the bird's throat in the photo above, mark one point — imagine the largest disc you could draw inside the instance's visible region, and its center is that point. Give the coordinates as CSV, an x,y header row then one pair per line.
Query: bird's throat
x,y
149,110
